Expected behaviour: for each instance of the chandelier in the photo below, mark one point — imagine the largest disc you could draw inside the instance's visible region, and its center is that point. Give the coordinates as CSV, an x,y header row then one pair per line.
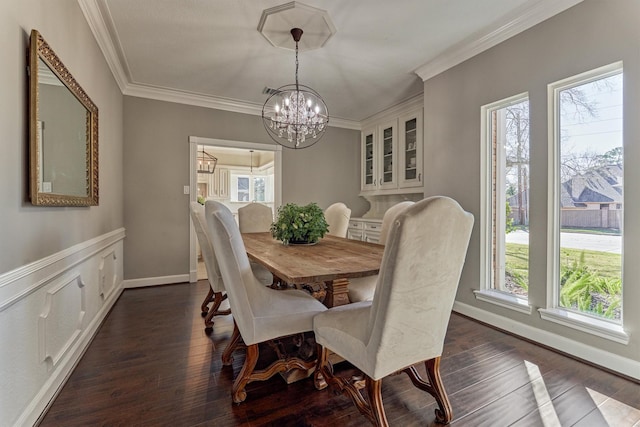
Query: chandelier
x,y
206,162
294,115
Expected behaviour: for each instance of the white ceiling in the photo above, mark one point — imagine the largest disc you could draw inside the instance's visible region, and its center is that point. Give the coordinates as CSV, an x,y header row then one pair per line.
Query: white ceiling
x,y
210,53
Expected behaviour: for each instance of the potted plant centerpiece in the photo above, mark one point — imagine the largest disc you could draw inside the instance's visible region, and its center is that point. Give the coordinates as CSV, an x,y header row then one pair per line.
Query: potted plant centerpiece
x,y
297,224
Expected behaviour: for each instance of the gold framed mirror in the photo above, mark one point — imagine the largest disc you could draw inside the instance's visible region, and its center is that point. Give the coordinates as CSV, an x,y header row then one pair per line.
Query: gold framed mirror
x,y
63,133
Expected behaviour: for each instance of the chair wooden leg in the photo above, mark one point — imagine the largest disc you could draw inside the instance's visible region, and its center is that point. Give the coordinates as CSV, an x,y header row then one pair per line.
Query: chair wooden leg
x,y
248,373
205,304
319,379
444,413
227,355
373,410
217,300
374,393
238,392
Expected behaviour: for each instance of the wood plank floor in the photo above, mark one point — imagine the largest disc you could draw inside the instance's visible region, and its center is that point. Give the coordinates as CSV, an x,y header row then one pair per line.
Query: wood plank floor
x,y
151,364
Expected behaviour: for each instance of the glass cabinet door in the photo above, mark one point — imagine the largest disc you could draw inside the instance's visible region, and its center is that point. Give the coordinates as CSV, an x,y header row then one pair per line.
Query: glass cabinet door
x,y
369,159
387,152
411,149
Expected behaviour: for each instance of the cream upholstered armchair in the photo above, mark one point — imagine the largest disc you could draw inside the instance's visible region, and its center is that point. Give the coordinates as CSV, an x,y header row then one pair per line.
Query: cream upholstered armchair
x,y
362,288
407,320
216,286
260,313
256,218
337,216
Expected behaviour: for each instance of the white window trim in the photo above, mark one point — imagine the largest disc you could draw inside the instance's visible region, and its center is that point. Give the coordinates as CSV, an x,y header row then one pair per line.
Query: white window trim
x,y
486,292
600,327
553,312
504,299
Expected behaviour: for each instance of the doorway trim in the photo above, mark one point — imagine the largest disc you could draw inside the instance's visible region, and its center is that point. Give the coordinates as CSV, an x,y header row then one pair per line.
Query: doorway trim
x,y
194,141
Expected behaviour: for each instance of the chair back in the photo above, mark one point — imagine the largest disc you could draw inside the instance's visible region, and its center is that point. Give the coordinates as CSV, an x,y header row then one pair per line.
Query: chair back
x,y
240,283
337,216
388,218
417,283
255,218
208,255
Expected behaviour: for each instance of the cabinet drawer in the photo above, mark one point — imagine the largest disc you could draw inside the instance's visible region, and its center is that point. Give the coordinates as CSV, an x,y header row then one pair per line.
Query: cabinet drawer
x,y
372,226
356,225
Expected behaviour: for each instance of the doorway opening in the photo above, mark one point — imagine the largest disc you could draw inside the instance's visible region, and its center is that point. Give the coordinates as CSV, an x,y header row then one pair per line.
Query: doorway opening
x,y
244,172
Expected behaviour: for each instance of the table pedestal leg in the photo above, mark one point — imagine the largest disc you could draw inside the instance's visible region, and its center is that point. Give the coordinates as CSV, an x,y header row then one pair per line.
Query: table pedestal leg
x,y
337,293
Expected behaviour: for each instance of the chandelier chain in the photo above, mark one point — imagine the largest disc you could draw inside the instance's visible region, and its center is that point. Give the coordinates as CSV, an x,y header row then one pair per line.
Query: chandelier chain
x,y
297,64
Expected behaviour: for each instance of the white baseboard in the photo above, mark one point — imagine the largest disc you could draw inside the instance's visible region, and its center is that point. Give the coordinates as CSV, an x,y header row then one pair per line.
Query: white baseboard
x,y
613,362
156,281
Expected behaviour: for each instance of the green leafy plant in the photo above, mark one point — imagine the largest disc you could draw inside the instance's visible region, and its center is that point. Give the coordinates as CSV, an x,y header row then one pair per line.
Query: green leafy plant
x,y
299,224
580,283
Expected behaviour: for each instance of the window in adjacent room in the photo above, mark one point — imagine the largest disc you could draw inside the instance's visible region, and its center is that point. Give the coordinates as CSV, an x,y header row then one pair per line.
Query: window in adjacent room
x,y
251,188
587,203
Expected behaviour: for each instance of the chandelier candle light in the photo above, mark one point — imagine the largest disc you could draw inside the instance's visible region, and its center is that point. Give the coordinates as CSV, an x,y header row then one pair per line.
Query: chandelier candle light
x,y
295,116
206,162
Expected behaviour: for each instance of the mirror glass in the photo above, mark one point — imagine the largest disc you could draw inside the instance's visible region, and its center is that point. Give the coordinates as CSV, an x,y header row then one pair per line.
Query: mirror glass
x,y
63,133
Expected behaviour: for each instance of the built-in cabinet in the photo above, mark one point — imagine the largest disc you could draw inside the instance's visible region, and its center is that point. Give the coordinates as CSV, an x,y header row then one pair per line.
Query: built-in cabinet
x,y
216,184
392,153
366,230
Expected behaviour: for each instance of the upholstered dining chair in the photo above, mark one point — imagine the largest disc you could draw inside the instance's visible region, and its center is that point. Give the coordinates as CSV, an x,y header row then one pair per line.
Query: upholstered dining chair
x,y
216,286
337,216
362,288
256,218
407,320
260,313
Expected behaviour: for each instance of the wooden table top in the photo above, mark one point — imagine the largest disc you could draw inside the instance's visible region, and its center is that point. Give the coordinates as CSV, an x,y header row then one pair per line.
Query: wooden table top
x,y
331,258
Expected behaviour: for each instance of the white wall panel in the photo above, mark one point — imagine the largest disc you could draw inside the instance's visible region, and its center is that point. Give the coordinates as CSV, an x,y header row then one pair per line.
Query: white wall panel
x,y
49,311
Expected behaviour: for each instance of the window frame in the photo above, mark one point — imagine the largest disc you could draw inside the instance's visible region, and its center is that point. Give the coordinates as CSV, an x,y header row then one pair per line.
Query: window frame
x,y
553,312
233,183
487,293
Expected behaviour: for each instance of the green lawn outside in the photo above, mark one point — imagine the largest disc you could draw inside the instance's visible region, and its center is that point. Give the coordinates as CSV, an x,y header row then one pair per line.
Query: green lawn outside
x,y
605,263
591,280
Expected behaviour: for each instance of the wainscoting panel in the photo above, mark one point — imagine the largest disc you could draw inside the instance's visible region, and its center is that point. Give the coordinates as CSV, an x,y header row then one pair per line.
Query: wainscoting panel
x,y
108,276
49,311
61,321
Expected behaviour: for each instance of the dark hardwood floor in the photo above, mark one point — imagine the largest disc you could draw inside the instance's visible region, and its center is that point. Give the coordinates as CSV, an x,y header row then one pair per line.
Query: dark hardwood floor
x,y
151,364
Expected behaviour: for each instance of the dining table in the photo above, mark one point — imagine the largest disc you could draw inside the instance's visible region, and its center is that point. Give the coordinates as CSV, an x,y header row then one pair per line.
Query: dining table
x,y
332,261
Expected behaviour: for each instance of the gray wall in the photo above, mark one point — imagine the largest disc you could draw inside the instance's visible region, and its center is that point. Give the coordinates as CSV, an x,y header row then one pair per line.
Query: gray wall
x,y
29,233
156,168
589,35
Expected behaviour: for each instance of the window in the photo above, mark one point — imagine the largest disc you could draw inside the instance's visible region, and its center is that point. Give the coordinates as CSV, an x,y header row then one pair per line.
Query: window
x,y
251,188
587,195
505,221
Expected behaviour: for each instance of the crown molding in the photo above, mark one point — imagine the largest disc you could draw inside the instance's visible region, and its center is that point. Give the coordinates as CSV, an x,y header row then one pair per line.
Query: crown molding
x,y
416,101
208,101
98,26
515,23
